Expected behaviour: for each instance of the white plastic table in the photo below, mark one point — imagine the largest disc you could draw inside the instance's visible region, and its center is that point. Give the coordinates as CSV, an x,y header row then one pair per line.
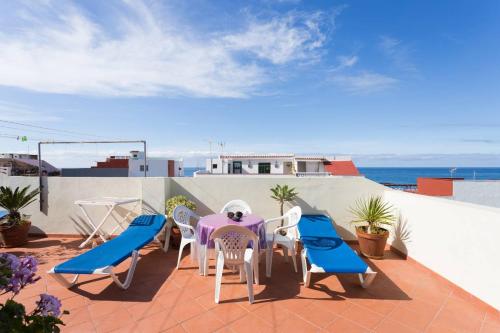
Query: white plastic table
x,y
111,203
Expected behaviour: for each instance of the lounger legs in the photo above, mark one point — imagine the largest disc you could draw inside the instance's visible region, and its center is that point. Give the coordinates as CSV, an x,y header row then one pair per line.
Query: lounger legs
x,y
367,278
109,270
306,274
130,274
67,284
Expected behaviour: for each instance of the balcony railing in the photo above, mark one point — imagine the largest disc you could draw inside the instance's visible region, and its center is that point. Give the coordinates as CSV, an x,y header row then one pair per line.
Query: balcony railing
x,y
402,187
312,174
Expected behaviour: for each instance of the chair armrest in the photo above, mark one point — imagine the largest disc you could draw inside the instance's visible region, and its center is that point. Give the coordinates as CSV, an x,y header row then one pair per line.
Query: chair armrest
x,y
188,226
274,219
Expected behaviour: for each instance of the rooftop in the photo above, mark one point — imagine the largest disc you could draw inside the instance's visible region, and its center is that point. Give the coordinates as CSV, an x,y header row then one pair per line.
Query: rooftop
x,y
405,297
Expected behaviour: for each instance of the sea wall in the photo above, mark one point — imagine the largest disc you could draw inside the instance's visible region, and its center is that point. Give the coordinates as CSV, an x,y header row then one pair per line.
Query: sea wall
x,y
457,240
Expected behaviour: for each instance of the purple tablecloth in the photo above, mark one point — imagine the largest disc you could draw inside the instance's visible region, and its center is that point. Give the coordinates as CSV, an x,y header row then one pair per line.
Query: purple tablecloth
x,y
207,225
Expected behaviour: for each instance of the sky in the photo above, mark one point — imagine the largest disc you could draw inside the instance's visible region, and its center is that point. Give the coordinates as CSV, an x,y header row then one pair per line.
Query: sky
x,y
392,83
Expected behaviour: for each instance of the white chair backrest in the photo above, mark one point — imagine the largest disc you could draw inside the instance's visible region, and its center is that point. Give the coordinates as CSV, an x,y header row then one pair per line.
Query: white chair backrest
x,y
292,218
233,240
182,217
235,206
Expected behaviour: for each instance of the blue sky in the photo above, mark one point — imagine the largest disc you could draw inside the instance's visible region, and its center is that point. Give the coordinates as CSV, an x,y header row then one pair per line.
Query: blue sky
x,y
393,83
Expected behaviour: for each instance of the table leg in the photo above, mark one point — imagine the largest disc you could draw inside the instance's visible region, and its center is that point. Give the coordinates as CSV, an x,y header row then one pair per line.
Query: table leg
x,y
119,222
91,224
96,230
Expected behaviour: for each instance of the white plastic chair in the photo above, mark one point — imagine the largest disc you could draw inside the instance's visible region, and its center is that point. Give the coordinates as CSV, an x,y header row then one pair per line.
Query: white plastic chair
x,y
288,241
231,243
182,217
235,206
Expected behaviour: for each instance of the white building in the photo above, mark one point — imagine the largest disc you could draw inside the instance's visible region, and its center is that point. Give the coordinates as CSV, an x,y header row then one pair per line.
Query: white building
x,y
281,164
155,166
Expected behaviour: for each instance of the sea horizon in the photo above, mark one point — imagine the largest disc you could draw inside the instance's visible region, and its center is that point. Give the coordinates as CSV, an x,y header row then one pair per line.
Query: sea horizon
x,y
409,175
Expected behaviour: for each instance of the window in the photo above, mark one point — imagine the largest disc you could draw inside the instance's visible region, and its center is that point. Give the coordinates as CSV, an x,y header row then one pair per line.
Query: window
x,y
264,168
141,168
214,166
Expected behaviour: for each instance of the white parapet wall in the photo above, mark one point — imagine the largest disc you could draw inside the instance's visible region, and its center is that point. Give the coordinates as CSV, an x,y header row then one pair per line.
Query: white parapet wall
x,y
482,192
457,240
62,216
317,195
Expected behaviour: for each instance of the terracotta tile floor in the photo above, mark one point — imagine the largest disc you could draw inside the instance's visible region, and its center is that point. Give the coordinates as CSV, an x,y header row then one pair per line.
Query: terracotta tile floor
x,y
405,297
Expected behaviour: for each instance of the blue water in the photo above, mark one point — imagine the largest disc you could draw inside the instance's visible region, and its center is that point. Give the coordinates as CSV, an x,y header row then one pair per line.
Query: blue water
x,y
410,175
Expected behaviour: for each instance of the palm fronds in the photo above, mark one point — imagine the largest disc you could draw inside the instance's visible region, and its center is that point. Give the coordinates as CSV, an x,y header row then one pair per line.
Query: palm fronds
x,y
373,211
15,200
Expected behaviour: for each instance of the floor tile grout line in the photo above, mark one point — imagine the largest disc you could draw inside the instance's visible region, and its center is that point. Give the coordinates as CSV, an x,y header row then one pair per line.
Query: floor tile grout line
x,y
483,322
426,329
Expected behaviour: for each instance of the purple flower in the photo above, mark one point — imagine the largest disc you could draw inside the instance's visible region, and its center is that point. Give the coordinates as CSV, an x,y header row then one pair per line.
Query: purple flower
x,y
22,272
48,305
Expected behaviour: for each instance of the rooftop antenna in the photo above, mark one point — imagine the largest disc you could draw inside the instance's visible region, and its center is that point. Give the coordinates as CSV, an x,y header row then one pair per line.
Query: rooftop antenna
x,y
452,171
222,144
211,159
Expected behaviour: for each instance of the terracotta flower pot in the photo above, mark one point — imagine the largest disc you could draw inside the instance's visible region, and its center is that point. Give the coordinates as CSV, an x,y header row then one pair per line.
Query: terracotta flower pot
x,y
175,238
372,245
16,235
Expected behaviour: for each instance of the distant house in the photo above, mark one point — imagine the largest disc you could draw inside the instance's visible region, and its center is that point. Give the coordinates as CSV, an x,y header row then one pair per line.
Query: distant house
x,y
130,166
13,164
281,164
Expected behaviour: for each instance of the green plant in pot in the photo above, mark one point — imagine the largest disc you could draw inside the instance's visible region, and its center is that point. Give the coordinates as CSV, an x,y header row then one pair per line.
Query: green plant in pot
x,y
283,194
14,226
373,217
170,204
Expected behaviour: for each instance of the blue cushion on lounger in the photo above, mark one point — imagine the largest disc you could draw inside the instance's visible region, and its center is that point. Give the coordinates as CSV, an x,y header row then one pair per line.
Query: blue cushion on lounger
x,y
140,232
325,250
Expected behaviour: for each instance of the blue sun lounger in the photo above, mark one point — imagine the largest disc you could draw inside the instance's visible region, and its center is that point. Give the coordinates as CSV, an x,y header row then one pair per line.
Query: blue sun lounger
x,y
326,252
103,258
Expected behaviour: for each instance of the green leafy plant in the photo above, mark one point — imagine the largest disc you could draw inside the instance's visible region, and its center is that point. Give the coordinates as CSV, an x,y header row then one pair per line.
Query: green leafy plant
x,y
178,200
283,194
373,215
15,200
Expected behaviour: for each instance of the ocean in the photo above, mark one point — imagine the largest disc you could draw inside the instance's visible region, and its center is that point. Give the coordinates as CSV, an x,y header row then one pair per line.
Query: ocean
x,y
397,175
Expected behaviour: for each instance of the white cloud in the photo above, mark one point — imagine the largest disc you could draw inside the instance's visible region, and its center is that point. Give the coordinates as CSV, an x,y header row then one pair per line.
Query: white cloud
x,y
345,62
365,82
399,53
60,49
283,39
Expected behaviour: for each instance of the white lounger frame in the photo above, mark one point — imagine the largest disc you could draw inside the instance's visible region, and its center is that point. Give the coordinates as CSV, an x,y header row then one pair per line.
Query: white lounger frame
x,y
108,270
365,279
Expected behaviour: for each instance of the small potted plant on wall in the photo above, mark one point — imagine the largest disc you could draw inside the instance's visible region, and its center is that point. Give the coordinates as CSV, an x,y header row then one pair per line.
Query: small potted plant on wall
x,y
14,226
283,194
373,219
178,200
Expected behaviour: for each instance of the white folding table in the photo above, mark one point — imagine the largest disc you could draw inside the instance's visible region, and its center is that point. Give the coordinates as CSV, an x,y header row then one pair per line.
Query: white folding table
x,y
111,203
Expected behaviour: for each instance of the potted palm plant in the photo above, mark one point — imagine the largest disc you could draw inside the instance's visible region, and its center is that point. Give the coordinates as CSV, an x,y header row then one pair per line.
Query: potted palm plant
x,y
170,204
14,226
283,194
373,218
